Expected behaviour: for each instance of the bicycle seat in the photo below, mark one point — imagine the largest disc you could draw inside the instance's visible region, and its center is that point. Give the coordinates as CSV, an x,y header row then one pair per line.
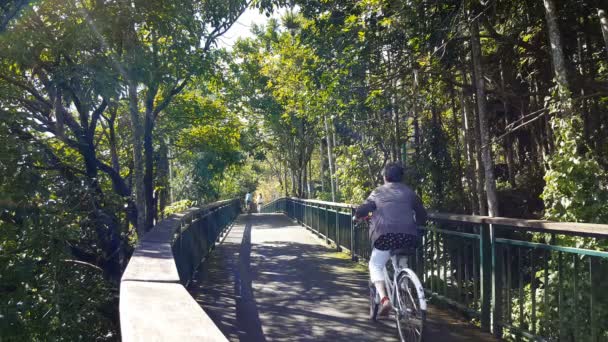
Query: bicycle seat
x,y
403,251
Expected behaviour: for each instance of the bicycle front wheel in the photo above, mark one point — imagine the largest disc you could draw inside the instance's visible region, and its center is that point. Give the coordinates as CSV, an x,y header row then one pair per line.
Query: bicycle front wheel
x,y
410,311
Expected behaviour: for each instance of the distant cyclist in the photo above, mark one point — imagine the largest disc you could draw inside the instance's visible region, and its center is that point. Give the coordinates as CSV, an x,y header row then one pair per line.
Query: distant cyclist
x,y
397,211
248,200
260,202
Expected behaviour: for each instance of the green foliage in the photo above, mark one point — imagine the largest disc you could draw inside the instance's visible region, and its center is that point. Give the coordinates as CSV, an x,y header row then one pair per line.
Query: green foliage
x,y
51,285
379,79
577,186
353,172
207,138
239,179
432,171
178,207
576,191
67,122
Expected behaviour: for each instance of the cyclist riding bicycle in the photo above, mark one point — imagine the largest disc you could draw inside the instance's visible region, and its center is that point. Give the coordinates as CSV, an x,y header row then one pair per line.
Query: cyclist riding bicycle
x,y
248,200
397,213
260,202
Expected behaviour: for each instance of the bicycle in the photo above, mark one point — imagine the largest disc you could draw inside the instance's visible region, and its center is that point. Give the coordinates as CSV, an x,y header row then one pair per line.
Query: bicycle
x,y
406,294
249,207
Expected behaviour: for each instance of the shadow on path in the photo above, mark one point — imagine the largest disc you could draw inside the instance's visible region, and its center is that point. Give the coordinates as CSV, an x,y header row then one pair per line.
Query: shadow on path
x,y
287,286
246,309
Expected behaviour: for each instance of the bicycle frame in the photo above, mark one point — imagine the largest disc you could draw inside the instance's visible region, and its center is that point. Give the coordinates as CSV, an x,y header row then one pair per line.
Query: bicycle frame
x,y
400,267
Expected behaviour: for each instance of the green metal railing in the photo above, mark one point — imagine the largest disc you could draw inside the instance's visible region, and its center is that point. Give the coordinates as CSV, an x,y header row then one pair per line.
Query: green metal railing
x,y
330,220
198,233
530,279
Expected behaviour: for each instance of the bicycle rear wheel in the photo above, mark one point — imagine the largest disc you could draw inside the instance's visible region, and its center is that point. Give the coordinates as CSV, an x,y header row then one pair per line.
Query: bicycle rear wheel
x,y
409,311
373,302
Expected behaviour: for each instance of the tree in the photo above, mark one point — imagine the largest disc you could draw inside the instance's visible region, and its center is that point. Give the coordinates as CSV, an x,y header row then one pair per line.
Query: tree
x,y
82,86
160,48
9,10
486,156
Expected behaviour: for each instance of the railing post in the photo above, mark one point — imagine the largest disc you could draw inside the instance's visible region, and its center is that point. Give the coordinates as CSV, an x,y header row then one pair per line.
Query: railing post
x,y
353,240
319,219
485,272
337,229
327,225
496,284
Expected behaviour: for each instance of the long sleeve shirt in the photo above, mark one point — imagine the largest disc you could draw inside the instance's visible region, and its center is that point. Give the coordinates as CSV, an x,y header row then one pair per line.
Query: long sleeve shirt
x,y
396,209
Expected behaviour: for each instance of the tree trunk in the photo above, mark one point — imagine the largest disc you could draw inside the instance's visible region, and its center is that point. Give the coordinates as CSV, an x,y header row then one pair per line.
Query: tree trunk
x,y
586,115
330,159
333,160
395,110
604,24
112,141
470,150
322,166
537,148
293,183
300,179
149,169
415,121
106,225
138,162
486,155
457,151
481,194
508,142
310,185
304,181
170,170
438,181
163,174
469,137
557,54
508,146
285,180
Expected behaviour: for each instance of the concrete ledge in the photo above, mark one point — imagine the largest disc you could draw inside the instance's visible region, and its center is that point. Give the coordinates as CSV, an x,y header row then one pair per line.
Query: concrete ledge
x,y
163,312
154,305
152,261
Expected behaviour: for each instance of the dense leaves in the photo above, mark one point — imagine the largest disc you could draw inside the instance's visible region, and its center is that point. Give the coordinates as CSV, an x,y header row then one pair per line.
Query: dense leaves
x,y
103,105
493,107
112,110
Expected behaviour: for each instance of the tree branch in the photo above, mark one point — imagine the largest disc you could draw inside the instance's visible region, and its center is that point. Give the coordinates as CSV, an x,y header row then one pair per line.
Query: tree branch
x,y
118,183
506,39
53,160
78,262
10,12
27,88
176,90
96,114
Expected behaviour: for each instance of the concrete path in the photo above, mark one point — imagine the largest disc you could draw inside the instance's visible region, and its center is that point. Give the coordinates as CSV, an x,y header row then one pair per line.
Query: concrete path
x,y
272,280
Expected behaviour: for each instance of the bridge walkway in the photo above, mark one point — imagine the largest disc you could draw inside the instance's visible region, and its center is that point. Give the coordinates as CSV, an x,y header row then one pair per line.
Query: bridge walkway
x,y
272,280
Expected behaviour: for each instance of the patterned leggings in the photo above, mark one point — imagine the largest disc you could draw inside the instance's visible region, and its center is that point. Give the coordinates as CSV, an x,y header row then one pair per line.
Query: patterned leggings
x,y
392,241
381,252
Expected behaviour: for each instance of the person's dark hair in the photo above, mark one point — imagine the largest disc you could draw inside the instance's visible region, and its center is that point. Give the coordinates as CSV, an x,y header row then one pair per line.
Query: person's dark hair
x,y
393,172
